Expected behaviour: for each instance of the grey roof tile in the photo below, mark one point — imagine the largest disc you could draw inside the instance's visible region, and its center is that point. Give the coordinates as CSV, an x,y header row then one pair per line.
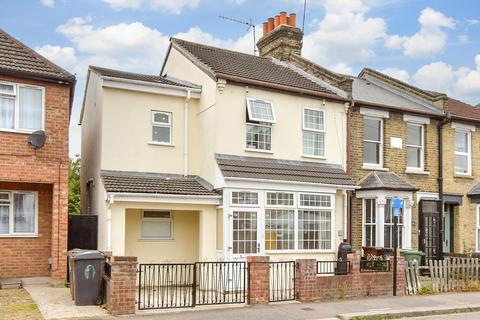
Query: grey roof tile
x,y
155,183
282,170
385,181
475,190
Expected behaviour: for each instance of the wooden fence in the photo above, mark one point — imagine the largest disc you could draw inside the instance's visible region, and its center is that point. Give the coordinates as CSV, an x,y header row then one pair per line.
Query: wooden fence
x,y
450,274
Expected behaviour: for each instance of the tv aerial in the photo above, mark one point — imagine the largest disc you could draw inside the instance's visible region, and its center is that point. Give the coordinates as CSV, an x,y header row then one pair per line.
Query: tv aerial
x,y
250,26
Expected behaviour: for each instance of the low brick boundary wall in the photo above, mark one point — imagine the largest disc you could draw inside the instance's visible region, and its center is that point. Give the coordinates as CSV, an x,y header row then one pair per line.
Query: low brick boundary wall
x,y
258,279
121,285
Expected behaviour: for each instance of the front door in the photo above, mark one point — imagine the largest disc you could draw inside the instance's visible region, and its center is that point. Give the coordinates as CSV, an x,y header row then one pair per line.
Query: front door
x,y
448,228
245,240
429,230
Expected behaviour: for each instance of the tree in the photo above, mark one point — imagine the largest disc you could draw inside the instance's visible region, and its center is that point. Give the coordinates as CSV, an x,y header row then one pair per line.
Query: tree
x,y
74,185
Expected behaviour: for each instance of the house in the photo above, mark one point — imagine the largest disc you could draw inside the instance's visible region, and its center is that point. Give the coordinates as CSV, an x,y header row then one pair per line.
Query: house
x,y
35,102
222,155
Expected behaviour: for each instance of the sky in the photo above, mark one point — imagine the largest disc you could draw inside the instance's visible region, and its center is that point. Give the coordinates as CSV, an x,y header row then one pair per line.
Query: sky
x,y
433,44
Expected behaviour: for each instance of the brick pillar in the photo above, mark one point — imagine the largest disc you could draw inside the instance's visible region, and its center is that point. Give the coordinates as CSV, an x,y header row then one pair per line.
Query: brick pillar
x,y
401,281
305,279
258,279
121,287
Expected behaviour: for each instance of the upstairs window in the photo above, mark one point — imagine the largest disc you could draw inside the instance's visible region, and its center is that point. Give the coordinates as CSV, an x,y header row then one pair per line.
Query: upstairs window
x,y
260,117
463,164
21,107
313,132
415,146
161,127
372,141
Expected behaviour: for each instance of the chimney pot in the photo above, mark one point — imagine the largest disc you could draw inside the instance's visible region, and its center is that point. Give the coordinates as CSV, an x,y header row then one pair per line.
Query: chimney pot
x,y
283,17
277,21
265,28
292,21
271,24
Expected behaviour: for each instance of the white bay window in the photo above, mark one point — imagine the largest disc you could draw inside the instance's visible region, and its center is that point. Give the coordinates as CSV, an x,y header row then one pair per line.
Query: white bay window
x,y
18,213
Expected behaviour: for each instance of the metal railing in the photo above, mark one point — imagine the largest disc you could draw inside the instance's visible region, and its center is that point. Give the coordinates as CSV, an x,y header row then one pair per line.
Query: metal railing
x,y
338,267
374,266
282,281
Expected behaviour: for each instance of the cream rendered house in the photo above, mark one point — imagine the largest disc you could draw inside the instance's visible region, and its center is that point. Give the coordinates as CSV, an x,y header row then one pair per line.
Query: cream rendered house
x,y
222,156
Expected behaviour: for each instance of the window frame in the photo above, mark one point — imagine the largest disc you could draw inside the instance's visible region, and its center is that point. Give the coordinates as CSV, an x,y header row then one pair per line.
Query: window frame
x,y
400,226
380,142
467,154
168,125
258,125
421,147
258,204
11,215
16,96
249,111
313,131
150,219
365,224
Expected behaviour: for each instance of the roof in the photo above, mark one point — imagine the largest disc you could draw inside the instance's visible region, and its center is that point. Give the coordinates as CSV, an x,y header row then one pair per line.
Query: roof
x,y
155,183
282,170
142,77
368,91
462,110
474,191
386,181
18,59
250,69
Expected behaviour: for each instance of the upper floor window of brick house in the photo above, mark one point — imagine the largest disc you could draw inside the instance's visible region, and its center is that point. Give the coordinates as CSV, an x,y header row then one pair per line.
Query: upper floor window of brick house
x,y
415,146
21,107
18,213
463,154
313,132
161,127
260,117
373,141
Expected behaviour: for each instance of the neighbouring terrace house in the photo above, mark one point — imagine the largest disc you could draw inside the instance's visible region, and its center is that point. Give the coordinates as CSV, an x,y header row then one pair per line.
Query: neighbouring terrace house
x,y
221,156
35,101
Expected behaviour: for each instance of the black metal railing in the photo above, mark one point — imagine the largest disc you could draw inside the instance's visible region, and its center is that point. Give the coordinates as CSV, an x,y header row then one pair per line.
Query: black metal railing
x,y
282,281
374,266
339,267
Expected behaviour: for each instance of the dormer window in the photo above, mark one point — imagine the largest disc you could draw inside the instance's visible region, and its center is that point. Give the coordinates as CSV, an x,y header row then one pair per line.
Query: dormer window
x,y
260,117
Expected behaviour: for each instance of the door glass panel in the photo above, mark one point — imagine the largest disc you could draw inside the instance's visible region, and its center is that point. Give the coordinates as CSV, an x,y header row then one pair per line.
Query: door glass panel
x,y
244,232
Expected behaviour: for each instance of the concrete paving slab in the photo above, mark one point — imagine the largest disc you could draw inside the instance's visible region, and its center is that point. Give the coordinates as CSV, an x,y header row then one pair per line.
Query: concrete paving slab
x,y
56,303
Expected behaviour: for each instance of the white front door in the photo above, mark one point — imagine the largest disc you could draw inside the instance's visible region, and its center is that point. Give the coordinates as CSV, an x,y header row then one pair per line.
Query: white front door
x,y
246,233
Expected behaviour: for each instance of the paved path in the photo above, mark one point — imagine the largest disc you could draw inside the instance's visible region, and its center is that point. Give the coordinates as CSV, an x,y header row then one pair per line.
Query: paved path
x,y
326,310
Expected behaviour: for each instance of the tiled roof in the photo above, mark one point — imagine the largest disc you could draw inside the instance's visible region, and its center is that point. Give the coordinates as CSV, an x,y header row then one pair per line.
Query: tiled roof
x,y
240,67
385,181
282,170
475,190
141,77
18,59
462,110
154,183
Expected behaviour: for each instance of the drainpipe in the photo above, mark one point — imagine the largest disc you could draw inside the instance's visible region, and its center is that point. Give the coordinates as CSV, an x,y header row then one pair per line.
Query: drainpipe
x,y
445,120
185,134
109,222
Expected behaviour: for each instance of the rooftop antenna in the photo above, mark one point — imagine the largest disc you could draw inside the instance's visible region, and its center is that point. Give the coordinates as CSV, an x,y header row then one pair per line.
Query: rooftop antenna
x,y
304,13
250,25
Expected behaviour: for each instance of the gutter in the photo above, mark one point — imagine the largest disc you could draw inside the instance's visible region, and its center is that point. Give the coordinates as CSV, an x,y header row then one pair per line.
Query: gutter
x,y
153,84
335,186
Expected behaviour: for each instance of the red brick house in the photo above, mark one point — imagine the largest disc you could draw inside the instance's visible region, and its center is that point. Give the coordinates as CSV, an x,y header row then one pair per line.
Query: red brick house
x,y
35,94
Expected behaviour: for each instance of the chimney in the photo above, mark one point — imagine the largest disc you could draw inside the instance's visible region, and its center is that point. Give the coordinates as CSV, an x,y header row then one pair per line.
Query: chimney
x,y
281,37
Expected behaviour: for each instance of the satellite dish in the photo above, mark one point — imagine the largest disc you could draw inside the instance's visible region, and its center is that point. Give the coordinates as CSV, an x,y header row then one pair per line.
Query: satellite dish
x,y
37,139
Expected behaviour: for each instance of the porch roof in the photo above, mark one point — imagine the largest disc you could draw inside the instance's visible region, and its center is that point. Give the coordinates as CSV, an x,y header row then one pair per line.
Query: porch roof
x,y
386,181
282,170
474,191
155,183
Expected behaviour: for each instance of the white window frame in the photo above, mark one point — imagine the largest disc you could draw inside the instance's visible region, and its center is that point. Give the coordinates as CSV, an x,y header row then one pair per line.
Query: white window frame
x,y
421,147
258,125
391,224
242,204
12,215
168,125
16,96
251,118
468,154
314,131
381,142
364,221
151,219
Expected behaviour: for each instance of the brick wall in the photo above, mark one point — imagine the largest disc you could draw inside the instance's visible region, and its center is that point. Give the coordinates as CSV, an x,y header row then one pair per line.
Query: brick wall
x,y
258,279
47,165
121,286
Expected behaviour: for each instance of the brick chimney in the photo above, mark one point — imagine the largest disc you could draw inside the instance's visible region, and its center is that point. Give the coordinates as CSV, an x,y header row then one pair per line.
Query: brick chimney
x,y
281,37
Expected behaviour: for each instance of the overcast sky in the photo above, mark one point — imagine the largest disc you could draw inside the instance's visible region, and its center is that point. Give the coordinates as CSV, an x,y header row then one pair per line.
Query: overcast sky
x,y
433,44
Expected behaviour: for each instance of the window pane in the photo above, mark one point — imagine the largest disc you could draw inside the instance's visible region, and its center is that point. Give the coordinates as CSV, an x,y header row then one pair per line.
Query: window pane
x,y
279,199
461,142
314,229
24,213
313,143
245,197
371,152
461,163
313,119
159,117
414,135
30,108
161,134
244,232
315,200
371,129
7,113
279,229
259,137
161,229
4,219
414,157
7,88
261,110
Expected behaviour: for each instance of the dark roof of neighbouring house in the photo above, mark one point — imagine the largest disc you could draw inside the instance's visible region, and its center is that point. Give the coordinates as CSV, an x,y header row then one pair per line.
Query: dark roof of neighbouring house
x,y
385,181
155,183
462,110
142,77
250,69
474,191
19,60
282,170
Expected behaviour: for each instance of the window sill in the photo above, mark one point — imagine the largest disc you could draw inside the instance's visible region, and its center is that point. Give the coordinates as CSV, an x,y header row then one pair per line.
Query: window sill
x,y
314,157
19,131
416,171
258,150
153,143
18,235
373,167
463,176
155,239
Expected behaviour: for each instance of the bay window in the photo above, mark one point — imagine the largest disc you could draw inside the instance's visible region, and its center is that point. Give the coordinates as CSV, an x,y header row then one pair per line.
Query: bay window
x,y
370,222
18,213
260,117
388,227
415,146
313,132
463,164
372,141
21,107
